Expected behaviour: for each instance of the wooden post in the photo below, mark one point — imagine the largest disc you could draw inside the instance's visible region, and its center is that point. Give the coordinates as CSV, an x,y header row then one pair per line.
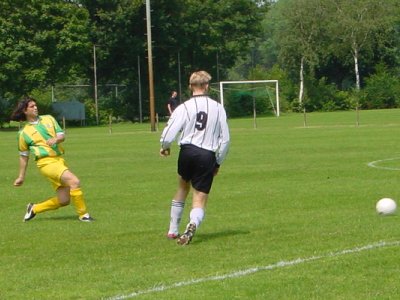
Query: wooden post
x,y
150,66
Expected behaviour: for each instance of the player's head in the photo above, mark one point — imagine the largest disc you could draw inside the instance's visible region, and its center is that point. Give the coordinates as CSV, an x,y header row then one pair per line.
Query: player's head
x,y
174,94
19,113
199,80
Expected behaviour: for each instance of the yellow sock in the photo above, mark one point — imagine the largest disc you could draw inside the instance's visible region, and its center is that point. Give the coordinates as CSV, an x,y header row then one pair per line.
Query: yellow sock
x,y
78,201
46,205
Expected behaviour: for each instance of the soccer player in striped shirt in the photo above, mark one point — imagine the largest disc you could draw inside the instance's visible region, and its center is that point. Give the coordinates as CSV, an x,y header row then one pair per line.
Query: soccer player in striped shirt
x,y
41,136
204,143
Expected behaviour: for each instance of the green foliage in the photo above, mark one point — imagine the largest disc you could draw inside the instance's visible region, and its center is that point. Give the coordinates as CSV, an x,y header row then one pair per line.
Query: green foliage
x,y
293,30
5,111
50,43
382,90
243,103
324,96
41,42
198,32
287,90
90,110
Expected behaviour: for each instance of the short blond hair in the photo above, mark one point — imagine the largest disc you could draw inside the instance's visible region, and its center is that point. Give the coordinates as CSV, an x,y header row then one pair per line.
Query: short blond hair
x,y
199,78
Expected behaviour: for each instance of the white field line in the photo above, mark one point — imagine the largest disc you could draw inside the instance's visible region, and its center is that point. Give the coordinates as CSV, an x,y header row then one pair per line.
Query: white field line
x,y
249,271
375,164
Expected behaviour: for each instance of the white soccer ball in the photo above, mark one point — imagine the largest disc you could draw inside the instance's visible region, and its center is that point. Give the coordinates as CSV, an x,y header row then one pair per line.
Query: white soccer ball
x,y
386,206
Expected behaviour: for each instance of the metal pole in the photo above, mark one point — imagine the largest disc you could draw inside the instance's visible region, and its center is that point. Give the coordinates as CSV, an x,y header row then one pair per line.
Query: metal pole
x,y
221,92
95,84
217,66
150,63
140,91
278,113
179,77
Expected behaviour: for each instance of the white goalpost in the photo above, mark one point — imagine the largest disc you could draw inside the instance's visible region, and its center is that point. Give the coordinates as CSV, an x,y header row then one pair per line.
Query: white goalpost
x,y
275,82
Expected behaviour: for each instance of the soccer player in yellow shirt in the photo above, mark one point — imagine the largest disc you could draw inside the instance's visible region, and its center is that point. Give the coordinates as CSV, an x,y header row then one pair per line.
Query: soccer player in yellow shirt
x,y
41,136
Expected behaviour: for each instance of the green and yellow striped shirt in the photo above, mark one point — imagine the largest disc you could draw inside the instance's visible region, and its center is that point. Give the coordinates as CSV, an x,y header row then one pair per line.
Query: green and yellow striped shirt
x,y
32,138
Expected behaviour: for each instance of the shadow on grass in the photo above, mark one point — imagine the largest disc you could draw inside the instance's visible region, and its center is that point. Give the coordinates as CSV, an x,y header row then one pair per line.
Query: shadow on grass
x,y
204,237
54,218
5,129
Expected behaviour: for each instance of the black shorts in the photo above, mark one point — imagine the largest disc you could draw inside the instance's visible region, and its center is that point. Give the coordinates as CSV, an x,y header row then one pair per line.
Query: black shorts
x,y
197,165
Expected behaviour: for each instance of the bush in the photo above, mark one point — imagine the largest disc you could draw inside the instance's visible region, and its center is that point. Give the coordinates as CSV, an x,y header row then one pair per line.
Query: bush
x,y
241,103
382,90
323,96
5,111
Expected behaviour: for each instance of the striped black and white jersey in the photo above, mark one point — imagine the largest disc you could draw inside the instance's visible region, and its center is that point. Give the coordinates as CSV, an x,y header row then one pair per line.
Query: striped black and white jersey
x,y
202,122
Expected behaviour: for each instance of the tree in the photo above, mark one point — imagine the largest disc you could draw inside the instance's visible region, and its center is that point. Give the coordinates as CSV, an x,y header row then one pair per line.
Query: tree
x,y
42,42
206,35
118,31
46,42
222,29
381,89
356,24
300,34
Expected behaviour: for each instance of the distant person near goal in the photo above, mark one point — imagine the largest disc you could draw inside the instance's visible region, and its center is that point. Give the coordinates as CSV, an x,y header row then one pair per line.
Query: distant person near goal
x,y
172,102
204,144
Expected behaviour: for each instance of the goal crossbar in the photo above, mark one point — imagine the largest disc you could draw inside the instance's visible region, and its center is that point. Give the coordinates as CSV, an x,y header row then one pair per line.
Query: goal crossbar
x,y
221,90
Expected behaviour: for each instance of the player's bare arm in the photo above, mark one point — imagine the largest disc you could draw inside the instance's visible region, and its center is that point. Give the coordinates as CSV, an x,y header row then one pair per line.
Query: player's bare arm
x,y
23,163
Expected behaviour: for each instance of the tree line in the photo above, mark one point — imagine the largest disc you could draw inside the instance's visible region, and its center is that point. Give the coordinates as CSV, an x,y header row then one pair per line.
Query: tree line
x,y
326,54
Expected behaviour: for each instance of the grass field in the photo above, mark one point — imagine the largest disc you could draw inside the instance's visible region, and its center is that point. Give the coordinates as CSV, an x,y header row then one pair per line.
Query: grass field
x,y
291,216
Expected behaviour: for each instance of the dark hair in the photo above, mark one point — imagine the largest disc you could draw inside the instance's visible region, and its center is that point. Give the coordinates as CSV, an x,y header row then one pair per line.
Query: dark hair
x,y
19,112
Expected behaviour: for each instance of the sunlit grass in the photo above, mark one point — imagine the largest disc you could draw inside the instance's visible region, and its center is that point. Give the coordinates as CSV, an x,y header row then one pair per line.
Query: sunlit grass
x,y
286,191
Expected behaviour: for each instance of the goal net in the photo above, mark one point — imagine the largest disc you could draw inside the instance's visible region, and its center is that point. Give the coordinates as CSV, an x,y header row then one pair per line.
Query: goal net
x,y
250,96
